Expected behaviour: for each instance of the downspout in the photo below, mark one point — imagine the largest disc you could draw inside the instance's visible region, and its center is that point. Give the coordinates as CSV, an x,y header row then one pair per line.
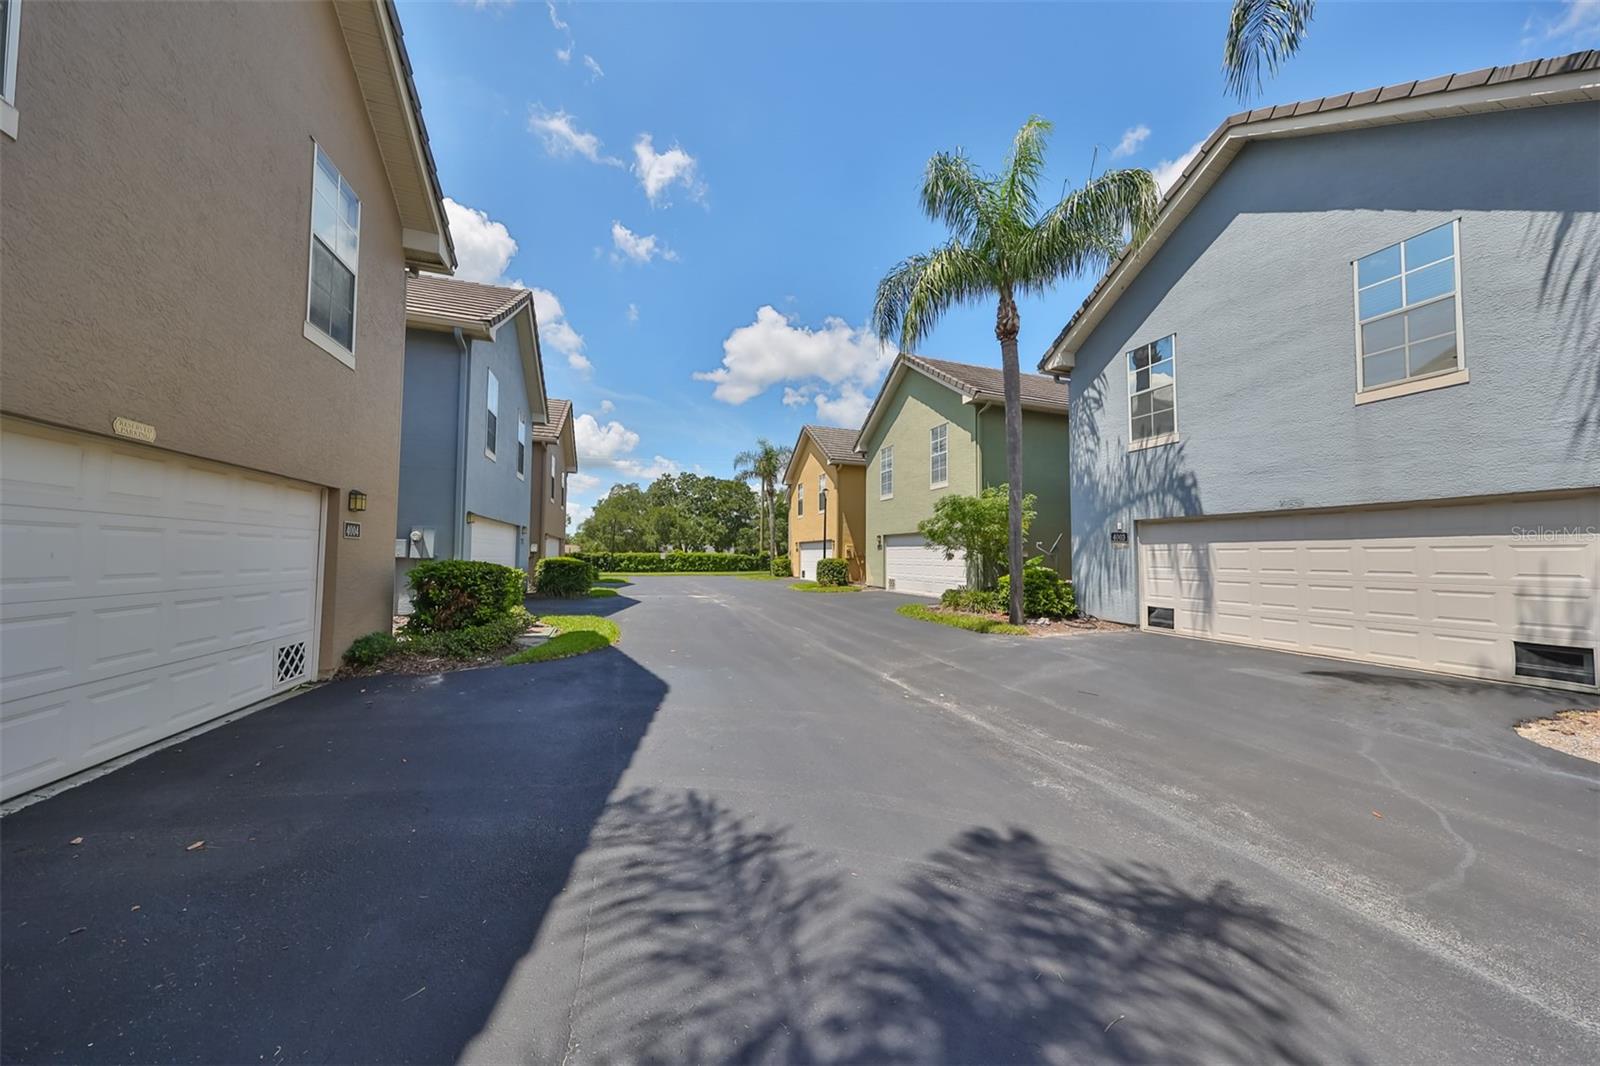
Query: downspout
x,y
464,392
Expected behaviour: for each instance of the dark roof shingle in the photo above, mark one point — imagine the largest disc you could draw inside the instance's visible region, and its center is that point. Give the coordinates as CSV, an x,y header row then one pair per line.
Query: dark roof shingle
x,y
557,411
450,298
838,444
988,380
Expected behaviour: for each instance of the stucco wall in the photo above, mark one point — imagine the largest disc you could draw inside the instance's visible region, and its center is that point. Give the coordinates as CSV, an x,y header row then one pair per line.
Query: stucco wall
x,y
154,239
1044,442
918,404
846,517
1256,284
549,516
429,444
493,488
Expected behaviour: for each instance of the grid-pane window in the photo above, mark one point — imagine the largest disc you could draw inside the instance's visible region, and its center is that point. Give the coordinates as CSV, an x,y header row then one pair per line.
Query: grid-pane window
x,y
1406,309
799,498
522,448
335,252
939,455
492,423
886,472
1152,392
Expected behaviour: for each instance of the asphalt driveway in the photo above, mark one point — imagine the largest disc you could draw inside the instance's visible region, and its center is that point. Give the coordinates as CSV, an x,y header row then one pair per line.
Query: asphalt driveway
x,y
771,826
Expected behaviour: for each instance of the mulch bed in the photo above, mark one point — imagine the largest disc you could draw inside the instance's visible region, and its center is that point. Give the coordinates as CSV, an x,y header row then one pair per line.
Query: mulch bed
x,y
1046,628
1576,732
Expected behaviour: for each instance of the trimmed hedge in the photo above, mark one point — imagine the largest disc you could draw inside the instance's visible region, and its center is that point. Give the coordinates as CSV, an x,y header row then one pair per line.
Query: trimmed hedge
x,y
780,567
978,601
833,572
371,649
470,643
450,594
1044,593
671,563
565,576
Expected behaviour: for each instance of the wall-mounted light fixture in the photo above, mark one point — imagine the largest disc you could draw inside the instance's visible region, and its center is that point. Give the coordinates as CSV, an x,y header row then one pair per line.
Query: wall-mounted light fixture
x,y
358,500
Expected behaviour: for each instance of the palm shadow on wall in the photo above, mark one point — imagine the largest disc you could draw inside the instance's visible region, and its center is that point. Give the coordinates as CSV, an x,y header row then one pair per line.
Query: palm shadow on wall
x,y
716,940
1569,287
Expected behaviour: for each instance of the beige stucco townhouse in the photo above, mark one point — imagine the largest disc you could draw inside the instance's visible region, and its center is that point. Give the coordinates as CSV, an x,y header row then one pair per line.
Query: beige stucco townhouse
x,y
207,215
555,458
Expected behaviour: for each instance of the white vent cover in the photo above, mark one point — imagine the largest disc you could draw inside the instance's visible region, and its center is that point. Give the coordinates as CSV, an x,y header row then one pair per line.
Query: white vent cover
x,y
291,663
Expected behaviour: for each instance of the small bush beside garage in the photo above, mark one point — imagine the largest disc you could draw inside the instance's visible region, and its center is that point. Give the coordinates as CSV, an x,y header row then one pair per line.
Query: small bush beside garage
x,y
1044,593
833,572
451,594
565,577
780,567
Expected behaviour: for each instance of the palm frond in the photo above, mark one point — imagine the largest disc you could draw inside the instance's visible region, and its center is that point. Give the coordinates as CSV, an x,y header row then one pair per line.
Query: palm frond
x,y
953,193
1019,181
1261,35
913,295
1086,230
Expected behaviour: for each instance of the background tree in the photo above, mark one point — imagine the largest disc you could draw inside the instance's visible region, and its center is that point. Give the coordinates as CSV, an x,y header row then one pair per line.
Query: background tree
x,y
686,512
764,464
979,526
1002,245
1261,35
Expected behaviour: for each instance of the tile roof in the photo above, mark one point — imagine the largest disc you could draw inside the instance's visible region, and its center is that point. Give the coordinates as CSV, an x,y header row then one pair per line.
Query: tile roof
x,y
989,383
837,443
1573,63
413,98
558,412
429,296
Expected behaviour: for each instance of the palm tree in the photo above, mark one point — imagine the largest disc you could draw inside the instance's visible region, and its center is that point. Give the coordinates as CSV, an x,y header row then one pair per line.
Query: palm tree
x,y
1261,35
1001,246
764,463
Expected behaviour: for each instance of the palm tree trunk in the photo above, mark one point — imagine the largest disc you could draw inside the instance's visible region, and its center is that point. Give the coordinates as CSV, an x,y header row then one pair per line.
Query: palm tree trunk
x,y
1007,323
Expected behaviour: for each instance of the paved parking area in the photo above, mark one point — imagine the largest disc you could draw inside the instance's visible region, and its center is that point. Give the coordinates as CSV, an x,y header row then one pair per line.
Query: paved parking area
x,y
777,827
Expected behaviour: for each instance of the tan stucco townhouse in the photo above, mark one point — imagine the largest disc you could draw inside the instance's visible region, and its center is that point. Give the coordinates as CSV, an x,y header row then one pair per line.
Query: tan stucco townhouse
x,y
202,337
555,458
826,483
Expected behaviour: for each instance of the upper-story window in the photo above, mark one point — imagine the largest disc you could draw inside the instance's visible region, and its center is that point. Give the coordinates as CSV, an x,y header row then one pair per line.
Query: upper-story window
x,y
10,21
492,423
939,456
335,254
552,475
1152,394
886,472
1408,314
799,498
522,448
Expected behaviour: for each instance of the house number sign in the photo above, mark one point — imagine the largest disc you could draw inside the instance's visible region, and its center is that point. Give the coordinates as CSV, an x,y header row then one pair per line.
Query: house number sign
x,y
352,530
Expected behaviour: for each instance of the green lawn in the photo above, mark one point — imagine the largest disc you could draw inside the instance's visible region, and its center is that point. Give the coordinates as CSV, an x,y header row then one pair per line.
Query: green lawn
x,y
758,576
613,582
971,622
812,586
575,635
601,590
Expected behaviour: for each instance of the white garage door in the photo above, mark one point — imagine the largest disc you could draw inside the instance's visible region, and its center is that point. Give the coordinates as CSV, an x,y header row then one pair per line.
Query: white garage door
x,y
1504,589
811,553
911,564
552,547
493,542
141,593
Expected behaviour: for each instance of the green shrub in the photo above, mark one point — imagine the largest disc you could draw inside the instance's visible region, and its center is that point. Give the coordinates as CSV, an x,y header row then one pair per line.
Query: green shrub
x,y
1044,593
970,622
565,576
371,649
833,572
671,562
976,601
470,643
449,594
780,567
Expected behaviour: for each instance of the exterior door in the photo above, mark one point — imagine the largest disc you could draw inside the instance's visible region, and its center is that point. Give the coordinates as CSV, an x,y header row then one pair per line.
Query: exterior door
x,y
1502,589
142,593
911,564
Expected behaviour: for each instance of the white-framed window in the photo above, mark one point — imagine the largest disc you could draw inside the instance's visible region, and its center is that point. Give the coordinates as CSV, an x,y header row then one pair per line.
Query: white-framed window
x,y
1153,393
822,492
552,475
522,448
492,423
335,257
939,456
10,25
886,472
799,498
563,488
1408,309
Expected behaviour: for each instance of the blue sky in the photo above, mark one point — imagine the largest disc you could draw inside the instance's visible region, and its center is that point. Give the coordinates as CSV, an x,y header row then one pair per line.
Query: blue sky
x,y
715,189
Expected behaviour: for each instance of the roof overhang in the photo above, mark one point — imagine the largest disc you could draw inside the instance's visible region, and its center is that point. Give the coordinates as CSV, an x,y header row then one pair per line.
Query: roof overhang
x,y
527,328
1331,114
377,50
982,397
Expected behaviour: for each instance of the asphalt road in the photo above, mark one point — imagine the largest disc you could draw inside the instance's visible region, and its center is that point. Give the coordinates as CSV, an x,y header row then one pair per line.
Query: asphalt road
x,y
772,826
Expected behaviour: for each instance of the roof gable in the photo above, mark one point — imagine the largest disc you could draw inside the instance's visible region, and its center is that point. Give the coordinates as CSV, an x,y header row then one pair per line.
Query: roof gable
x,y
972,383
834,445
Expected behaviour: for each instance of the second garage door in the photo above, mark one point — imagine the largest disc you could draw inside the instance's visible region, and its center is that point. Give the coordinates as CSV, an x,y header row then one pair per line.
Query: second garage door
x,y
493,542
911,564
141,593
811,553
1503,589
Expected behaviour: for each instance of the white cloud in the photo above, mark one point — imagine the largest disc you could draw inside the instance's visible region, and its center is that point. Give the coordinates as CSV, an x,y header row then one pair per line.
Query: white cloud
x,y
606,407
1132,138
555,18
582,483
610,447
563,138
633,315
659,171
593,67
793,397
773,349
1578,19
565,54
1168,170
483,247
849,408
556,332
637,247
578,513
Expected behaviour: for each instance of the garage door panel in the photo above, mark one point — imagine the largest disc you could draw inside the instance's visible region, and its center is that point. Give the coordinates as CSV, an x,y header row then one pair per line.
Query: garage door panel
x,y
913,565
1439,587
140,593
